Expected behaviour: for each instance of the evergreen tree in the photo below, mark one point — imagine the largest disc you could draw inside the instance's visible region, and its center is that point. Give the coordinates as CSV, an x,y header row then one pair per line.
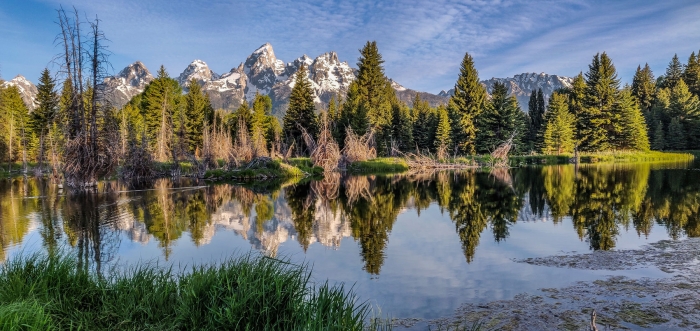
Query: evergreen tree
x,y
161,101
465,105
15,116
353,114
599,119
198,112
301,112
685,108
658,143
674,72
47,106
558,131
633,132
424,125
442,133
536,116
644,87
262,118
541,105
371,102
576,107
402,128
501,119
691,75
676,141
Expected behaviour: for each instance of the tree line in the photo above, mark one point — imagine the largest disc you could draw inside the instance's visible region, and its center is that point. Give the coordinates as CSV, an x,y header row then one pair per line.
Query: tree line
x,y
76,130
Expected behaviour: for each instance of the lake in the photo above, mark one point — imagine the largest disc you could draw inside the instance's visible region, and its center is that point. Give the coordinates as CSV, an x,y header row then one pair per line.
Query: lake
x,y
416,245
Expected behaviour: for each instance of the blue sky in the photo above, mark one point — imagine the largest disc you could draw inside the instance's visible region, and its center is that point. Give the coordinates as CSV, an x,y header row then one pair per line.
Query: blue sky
x,y
422,41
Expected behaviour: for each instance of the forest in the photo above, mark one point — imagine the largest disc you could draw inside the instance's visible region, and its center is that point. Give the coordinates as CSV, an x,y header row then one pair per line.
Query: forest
x,y
76,135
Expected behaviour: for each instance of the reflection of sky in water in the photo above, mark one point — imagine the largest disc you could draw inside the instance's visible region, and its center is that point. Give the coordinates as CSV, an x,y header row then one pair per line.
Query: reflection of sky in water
x,y
424,272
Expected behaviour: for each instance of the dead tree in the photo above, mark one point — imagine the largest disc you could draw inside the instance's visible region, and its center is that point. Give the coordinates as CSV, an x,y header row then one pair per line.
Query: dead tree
x,y
91,143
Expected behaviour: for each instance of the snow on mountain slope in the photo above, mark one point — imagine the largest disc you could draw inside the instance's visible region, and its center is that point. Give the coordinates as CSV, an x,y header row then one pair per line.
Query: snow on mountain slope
x,y
27,90
131,81
199,71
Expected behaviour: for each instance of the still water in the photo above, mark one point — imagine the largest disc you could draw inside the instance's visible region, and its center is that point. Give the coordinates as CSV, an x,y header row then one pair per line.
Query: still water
x,y
415,245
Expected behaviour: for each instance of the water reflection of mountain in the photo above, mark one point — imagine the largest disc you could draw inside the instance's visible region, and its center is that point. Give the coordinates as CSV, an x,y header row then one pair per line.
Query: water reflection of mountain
x,y
600,202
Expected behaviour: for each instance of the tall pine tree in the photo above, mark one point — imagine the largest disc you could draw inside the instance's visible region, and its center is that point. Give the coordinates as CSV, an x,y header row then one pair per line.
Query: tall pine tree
x,y
442,132
424,125
199,113
300,113
602,87
691,75
559,126
633,134
674,72
161,100
465,105
47,105
501,119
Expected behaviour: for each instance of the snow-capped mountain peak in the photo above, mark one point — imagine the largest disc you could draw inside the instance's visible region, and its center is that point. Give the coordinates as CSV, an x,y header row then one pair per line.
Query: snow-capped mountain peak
x,y
27,90
199,71
131,81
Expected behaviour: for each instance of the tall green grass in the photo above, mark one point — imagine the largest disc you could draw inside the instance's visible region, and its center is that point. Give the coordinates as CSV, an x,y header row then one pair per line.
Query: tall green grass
x,y
251,292
378,165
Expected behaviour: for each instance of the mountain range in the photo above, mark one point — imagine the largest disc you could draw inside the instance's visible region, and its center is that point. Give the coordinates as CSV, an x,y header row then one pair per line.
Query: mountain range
x,y
262,72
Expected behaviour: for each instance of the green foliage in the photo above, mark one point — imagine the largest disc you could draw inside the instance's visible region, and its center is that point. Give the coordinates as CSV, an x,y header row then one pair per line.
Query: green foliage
x,y
424,125
674,72
676,140
558,131
602,89
501,119
161,102
402,128
658,142
300,113
644,87
632,130
465,106
247,293
15,118
691,75
378,166
198,113
536,117
442,133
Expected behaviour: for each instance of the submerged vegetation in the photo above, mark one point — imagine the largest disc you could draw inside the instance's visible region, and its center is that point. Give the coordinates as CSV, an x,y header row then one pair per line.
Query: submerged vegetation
x,y
246,293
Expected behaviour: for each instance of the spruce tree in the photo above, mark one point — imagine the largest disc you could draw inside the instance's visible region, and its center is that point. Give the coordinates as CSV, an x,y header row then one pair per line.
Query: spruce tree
x,y
644,87
691,75
536,115
541,105
465,105
300,113
558,131
199,112
633,134
685,108
674,72
658,142
501,119
15,117
47,106
676,138
402,128
442,133
576,107
424,125
160,104
602,87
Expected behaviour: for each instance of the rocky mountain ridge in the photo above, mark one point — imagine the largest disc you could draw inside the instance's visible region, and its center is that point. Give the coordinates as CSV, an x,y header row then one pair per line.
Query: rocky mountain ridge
x,y
262,72
27,90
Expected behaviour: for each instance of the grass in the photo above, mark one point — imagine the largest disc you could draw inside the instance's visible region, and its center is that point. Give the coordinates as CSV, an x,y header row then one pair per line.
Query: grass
x,y
274,169
251,292
606,157
378,165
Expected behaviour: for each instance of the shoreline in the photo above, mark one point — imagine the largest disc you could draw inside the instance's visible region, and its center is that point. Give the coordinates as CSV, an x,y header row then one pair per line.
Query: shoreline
x,y
620,302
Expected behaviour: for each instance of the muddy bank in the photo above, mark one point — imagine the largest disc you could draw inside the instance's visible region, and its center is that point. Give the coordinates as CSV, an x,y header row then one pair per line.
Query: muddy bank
x,y
621,303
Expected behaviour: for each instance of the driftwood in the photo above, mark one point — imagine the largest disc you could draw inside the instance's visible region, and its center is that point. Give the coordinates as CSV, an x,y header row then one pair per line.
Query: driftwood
x,y
500,154
359,148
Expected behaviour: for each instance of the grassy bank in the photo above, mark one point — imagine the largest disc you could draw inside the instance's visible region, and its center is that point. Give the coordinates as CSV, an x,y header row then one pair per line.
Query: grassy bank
x,y
246,293
267,170
605,157
378,166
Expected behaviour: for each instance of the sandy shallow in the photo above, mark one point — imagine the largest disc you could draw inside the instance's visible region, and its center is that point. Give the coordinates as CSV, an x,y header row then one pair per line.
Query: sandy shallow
x,y
620,303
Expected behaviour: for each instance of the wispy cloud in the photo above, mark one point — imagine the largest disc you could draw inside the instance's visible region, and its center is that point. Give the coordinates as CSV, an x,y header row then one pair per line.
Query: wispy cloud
x,y
422,41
